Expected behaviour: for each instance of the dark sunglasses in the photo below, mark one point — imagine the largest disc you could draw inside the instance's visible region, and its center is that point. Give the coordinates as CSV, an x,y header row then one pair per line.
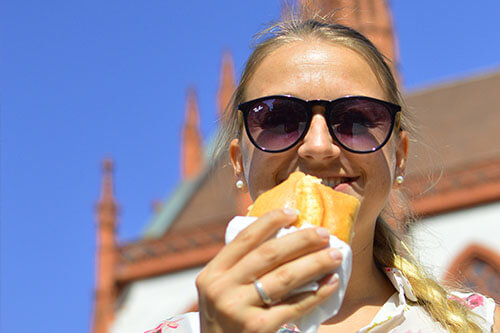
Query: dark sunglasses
x,y
359,124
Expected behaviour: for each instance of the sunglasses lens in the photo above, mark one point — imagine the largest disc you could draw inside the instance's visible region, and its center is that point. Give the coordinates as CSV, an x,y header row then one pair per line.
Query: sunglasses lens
x,y
360,124
276,124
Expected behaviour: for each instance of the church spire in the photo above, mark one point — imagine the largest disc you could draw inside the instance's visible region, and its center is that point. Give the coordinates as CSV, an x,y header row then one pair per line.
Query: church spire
x,y
227,83
107,211
373,18
192,159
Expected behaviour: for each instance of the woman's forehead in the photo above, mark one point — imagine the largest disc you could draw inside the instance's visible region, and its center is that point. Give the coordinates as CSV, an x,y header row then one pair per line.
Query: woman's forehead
x,y
313,70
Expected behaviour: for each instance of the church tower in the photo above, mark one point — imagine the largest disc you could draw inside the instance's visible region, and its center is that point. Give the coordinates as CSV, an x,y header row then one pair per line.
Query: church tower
x,y
105,293
227,83
372,18
192,159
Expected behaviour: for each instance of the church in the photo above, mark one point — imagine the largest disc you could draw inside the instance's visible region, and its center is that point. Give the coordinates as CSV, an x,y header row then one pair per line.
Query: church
x,y
454,189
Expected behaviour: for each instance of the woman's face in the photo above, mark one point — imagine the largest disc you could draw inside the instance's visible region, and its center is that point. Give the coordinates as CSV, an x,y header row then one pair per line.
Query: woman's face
x,y
318,70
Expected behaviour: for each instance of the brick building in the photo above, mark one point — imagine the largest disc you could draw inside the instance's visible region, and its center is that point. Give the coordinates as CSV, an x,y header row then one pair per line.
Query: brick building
x,y
454,187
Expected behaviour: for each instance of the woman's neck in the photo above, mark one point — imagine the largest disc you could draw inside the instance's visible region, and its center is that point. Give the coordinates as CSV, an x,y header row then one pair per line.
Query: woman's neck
x,y
368,288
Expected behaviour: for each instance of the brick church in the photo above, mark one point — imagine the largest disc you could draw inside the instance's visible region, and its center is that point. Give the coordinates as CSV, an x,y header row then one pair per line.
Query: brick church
x,y
456,192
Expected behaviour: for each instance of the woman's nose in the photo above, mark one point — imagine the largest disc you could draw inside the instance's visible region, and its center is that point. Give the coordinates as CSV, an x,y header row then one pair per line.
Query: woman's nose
x,y
318,144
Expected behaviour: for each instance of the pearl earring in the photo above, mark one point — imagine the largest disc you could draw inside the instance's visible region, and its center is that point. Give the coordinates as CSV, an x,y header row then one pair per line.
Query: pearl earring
x,y
239,184
399,180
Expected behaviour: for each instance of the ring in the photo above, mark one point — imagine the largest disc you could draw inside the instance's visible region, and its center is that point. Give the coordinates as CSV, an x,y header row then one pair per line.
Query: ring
x,y
263,295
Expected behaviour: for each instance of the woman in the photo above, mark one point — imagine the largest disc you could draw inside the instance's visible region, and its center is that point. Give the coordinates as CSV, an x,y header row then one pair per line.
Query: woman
x,y
353,135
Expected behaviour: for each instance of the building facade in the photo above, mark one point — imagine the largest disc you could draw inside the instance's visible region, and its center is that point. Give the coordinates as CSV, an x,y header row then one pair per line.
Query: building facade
x,y
455,190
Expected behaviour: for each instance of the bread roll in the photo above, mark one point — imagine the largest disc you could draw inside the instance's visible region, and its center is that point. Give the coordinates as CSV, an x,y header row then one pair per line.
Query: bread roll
x,y
318,204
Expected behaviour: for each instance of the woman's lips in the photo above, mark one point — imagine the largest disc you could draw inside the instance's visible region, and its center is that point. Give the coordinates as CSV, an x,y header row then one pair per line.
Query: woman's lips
x,y
332,182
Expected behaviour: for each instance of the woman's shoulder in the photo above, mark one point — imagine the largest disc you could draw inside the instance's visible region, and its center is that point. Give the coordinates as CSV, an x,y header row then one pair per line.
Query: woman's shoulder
x,y
481,305
183,323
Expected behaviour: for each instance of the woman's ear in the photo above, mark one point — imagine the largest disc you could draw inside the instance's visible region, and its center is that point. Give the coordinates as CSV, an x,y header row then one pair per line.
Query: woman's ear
x,y
401,154
236,158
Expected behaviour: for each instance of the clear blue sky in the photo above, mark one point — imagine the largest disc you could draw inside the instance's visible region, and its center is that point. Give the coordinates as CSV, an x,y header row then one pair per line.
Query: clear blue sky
x,y
81,80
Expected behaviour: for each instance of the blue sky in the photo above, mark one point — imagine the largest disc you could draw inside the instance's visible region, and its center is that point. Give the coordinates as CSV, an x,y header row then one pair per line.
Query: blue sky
x,y
82,80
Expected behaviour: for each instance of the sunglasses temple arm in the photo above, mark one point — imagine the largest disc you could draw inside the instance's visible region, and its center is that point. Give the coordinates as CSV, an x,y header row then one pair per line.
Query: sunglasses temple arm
x,y
397,121
240,119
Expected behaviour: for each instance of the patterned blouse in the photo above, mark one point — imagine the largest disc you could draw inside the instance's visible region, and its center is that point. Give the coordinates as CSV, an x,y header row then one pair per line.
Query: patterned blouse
x,y
395,316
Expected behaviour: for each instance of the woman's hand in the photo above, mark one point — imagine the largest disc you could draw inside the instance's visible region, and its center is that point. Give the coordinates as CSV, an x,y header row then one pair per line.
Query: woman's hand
x,y
228,299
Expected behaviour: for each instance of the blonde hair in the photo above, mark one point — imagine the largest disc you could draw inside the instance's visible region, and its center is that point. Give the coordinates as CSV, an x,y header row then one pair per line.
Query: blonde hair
x,y
389,248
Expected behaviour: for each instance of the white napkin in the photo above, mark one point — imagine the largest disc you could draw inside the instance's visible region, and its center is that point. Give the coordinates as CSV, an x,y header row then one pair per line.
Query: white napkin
x,y
310,322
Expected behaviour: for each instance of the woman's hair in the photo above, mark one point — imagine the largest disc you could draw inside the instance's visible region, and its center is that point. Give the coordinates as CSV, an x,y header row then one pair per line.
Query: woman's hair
x,y
389,248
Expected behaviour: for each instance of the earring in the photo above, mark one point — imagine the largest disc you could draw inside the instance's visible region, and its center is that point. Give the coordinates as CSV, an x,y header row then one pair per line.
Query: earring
x,y
399,180
239,184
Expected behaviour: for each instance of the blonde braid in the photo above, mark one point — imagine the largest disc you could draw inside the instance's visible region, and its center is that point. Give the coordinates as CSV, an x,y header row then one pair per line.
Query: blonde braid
x,y
390,251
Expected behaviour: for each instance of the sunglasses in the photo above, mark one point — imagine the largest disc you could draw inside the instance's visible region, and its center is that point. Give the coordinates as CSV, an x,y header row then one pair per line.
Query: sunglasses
x,y
359,124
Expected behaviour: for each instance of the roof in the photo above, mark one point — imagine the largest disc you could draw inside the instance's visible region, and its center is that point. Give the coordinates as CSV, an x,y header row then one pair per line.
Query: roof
x,y
179,250
457,123
171,208
456,188
174,205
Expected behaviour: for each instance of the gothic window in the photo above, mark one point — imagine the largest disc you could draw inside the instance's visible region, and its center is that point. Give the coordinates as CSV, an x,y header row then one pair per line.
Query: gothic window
x,y
477,268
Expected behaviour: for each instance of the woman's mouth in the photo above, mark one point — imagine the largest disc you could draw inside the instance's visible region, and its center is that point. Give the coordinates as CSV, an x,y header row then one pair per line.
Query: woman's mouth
x,y
336,182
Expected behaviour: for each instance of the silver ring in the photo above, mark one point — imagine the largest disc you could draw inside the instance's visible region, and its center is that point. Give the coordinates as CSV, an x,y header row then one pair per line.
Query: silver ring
x,y
263,295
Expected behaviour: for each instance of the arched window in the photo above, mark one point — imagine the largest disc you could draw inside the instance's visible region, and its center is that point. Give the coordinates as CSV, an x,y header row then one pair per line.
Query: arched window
x,y
477,268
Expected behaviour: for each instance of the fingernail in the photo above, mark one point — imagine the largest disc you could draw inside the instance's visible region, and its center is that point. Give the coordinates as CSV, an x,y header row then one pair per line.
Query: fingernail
x,y
335,255
291,211
334,279
323,232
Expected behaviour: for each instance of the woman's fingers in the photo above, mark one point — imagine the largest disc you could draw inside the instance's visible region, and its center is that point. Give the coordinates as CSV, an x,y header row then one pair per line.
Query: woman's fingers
x,y
278,251
215,283
280,282
271,318
296,306
251,237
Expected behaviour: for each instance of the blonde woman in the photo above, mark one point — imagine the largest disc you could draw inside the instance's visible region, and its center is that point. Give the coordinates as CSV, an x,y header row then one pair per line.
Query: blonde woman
x,y
337,115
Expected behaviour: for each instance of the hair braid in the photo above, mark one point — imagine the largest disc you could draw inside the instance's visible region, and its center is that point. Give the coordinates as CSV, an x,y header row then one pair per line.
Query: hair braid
x,y
390,251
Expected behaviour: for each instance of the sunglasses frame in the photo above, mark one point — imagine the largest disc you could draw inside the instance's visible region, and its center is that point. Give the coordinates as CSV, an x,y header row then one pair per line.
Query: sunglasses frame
x,y
393,109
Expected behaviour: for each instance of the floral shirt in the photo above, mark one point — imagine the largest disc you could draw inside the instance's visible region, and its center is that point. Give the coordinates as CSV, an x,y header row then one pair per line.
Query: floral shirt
x,y
395,316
